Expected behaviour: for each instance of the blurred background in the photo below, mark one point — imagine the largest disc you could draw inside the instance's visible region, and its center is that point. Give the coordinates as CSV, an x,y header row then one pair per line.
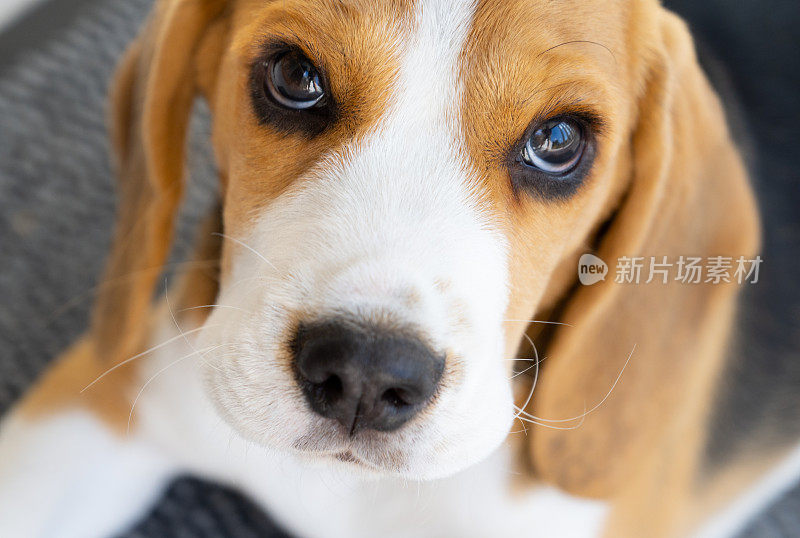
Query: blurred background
x,y
57,205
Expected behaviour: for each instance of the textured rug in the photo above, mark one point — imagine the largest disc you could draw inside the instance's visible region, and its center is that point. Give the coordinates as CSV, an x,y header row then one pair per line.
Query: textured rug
x,y
56,212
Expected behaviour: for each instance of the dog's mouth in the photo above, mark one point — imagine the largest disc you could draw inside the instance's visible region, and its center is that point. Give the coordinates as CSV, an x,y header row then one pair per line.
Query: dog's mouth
x,y
350,460
347,457
373,452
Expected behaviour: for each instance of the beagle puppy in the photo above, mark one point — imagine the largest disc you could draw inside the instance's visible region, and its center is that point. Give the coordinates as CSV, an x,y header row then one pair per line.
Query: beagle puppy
x,y
382,331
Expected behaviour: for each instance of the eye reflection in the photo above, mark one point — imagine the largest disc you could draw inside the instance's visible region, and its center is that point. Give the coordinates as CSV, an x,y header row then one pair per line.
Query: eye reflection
x,y
555,147
293,81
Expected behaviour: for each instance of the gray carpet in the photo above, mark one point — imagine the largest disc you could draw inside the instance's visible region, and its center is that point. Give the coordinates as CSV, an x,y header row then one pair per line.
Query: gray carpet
x,y
56,210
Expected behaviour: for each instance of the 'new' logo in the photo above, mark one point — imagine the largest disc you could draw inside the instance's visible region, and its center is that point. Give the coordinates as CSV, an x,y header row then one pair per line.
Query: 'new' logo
x,y
591,269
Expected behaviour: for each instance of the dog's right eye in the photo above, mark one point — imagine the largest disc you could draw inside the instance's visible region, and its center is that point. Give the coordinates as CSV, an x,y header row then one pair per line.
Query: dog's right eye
x,y
293,81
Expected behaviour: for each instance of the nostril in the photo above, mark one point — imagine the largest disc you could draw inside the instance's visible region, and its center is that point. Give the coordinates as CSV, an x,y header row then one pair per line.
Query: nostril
x,y
330,390
396,397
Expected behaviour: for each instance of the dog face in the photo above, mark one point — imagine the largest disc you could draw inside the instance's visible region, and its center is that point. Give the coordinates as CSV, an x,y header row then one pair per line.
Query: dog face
x,y
402,182
391,206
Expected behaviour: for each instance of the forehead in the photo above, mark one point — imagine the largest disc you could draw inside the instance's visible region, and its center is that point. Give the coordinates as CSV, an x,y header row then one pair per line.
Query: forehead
x,y
518,40
530,59
480,71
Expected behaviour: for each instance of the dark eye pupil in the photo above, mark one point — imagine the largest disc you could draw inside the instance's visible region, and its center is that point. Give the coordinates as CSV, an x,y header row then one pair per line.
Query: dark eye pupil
x,y
556,138
555,147
293,81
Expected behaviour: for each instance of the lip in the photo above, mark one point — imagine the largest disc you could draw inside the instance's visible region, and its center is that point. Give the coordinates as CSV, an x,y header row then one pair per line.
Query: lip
x,y
341,454
347,457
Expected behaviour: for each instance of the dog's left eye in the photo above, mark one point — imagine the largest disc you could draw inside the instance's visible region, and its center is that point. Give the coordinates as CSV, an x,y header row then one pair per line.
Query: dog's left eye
x,y
293,81
555,147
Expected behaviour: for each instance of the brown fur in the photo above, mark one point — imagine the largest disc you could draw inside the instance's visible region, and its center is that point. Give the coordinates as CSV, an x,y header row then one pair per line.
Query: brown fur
x,y
666,173
60,388
683,191
69,382
688,194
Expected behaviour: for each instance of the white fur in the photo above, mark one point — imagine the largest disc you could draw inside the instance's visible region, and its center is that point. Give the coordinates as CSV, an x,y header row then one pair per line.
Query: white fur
x,y
317,499
388,227
67,476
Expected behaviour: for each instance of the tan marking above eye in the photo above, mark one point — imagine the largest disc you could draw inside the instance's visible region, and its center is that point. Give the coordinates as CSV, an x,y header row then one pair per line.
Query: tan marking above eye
x,y
356,53
515,73
356,50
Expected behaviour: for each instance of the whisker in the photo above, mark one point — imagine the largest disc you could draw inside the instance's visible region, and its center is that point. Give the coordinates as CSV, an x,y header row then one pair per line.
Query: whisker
x,y
263,279
535,378
525,359
143,353
551,426
583,415
210,306
159,372
538,321
83,296
248,247
175,320
524,371
575,41
524,428
172,314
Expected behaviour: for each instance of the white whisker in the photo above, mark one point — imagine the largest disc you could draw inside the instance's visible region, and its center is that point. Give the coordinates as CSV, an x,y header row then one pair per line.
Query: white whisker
x,y
78,299
248,247
523,371
535,378
138,355
175,320
263,279
162,370
551,426
583,415
538,321
210,306
524,428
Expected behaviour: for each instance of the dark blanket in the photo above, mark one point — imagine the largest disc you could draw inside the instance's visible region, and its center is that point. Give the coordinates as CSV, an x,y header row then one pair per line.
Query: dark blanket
x,y
56,209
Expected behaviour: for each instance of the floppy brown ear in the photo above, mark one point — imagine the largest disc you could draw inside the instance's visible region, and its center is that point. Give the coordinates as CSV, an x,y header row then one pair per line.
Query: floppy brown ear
x,y
688,196
151,101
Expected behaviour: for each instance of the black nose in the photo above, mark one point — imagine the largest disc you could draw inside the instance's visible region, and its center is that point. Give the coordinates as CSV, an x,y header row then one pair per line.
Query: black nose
x,y
365,378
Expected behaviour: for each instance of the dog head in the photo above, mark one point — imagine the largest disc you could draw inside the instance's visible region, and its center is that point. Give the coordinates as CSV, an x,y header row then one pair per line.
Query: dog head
x,y
404,185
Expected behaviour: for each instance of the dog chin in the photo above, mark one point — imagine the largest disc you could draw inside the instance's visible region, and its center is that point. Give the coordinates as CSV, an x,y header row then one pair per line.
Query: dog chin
x,y
345,463
367,459
349,463
370,458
